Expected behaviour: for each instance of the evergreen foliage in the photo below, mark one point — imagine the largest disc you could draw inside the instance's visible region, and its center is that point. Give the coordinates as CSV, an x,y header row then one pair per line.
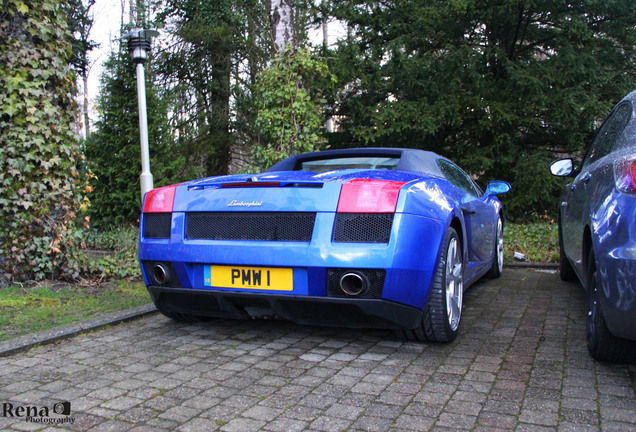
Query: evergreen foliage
x,y
80,23
217,51
114,150
498,86
40,194
209,37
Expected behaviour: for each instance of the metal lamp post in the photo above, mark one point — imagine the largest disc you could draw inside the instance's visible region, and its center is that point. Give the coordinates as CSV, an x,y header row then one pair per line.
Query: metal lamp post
x,y
139,46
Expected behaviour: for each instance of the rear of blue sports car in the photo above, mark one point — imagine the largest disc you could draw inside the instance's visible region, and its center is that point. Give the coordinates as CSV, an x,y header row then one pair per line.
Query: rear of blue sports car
x,y
332,248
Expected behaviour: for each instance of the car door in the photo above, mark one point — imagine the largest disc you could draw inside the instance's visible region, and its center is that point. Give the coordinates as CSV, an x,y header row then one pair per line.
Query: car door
x,y
584,193
478,218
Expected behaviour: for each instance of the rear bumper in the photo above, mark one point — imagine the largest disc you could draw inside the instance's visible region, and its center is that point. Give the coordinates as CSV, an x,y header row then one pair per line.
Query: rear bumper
x,y
409,258
618,298
618,294
305,310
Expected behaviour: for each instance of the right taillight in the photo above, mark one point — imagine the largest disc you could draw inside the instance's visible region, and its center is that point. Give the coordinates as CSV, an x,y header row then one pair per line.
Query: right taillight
x,y
625,175
369,196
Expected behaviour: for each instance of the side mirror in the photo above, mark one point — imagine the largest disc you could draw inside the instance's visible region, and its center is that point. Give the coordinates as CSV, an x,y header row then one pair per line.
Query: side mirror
x,y
562,167
497,187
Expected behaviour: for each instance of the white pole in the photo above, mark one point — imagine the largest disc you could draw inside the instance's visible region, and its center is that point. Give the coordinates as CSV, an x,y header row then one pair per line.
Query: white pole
x,y
146,176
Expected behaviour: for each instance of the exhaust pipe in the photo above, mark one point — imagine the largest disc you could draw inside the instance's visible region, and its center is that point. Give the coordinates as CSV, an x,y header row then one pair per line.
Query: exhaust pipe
x,y
353,283
160,274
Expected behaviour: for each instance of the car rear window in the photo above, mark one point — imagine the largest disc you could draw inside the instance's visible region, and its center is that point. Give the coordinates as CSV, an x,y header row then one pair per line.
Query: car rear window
x,y
361,162
608,137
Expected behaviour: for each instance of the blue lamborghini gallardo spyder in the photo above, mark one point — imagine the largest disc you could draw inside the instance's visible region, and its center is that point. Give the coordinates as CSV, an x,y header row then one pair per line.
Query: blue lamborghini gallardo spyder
x,y
368,237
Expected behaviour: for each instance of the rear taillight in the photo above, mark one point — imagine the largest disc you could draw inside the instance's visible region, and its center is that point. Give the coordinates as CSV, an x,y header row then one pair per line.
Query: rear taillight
x,y
625,175
160,200
369,196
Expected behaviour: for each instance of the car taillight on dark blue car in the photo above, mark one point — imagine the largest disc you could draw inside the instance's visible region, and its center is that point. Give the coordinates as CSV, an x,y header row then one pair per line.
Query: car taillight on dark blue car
x,y
625,175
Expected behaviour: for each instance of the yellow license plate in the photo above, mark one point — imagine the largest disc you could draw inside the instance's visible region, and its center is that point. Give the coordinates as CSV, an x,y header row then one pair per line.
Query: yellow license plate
x,y
261,278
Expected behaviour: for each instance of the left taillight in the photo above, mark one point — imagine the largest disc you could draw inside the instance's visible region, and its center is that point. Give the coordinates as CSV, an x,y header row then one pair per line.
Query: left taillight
x,y
369,196
625,175
160,200
157,217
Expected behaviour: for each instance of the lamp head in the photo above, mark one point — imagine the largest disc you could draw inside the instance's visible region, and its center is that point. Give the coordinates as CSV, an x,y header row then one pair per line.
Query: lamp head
x,y
139,43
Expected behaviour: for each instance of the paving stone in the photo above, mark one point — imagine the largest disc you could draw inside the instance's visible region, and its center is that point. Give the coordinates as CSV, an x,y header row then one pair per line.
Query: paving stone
x,y
199,425
454,420
541,418
180,414
372,424
241,424
112,426
329,424
283,424
497,420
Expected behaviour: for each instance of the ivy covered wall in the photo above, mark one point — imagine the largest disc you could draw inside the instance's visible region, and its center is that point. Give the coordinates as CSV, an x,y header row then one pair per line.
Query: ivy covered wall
x,y
39,149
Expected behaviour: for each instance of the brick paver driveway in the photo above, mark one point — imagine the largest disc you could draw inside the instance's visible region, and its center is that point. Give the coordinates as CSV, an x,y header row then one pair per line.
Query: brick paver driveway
x,y
520,363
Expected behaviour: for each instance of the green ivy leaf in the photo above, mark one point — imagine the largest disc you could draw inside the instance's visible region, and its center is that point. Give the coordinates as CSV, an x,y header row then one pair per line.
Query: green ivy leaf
x,y
22,8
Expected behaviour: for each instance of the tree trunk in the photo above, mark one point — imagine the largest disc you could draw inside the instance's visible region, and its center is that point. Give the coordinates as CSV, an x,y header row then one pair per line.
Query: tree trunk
x,y
85,108
281,18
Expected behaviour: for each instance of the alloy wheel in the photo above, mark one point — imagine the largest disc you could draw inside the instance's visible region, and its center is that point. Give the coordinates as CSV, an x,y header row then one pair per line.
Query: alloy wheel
x,y
500,245
454,284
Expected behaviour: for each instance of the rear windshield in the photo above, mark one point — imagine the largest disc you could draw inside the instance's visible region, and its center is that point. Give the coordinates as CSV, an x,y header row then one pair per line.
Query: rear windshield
x,y
324,165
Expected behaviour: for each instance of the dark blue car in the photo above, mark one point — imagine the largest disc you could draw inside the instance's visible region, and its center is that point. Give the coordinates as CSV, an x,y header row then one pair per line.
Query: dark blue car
x,y
380,238
597,233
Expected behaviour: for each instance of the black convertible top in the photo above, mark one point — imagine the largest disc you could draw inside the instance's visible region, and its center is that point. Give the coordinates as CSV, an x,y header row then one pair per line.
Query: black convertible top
x,y
419,161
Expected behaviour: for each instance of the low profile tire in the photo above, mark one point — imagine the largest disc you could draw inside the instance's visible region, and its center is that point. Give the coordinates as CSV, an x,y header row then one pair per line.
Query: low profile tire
x,y
566,271
601,344
441,318
498,256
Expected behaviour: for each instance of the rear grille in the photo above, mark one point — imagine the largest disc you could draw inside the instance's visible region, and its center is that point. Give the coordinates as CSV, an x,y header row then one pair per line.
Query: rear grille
x,y
265,226
157,225
362,227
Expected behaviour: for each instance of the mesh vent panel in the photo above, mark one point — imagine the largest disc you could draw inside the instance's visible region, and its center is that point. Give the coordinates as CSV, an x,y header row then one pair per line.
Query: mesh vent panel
x,y
265,226
362,227
157,225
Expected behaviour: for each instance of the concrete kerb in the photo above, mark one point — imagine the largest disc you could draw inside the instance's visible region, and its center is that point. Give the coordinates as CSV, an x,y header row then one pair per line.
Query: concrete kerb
x,y
25,342
531,265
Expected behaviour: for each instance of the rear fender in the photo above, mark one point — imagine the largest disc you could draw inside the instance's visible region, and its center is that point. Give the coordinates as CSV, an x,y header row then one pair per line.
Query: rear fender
x,y
612,235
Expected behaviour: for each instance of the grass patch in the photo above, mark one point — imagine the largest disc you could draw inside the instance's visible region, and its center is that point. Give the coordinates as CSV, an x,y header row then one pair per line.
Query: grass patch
x,y
29,310
538,241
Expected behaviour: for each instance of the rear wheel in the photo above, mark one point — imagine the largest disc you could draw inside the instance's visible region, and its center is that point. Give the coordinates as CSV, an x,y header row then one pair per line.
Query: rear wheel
x,y
601,344
442,316
498,255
